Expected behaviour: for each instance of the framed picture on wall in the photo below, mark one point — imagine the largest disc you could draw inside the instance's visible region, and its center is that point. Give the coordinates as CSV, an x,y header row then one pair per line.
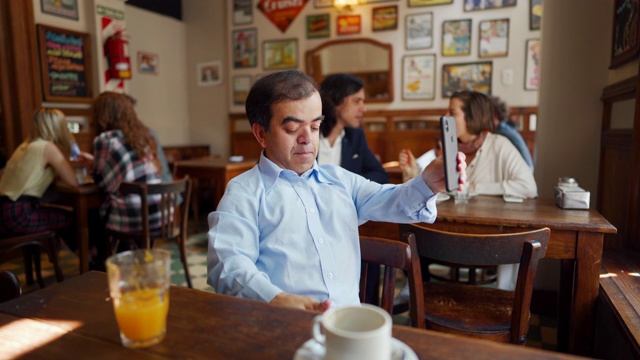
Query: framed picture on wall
x,y
148,63
494,38
241,85
318,26
532,63
245,52
474,5
456,37
66,9
242,12
419,77
322,3
470,76
419,31
535,14
280,54
385,18
415,3
349,24
626,32
209,73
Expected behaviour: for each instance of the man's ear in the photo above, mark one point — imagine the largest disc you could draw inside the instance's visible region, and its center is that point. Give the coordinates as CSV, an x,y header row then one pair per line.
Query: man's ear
x,y
260,134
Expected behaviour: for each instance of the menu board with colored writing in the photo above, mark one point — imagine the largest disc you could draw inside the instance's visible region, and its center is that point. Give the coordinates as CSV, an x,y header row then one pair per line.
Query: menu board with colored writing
x,y
65,61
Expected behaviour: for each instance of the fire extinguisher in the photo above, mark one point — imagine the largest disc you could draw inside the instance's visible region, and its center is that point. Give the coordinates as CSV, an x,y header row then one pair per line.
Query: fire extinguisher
x,y
119,63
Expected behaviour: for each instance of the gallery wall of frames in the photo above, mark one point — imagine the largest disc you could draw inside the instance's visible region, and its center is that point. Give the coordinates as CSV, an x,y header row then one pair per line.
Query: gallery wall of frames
x,y
439,46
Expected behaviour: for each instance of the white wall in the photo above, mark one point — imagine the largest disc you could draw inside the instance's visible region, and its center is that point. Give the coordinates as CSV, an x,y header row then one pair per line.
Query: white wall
x,y
519,32
574,71
205,24
163,99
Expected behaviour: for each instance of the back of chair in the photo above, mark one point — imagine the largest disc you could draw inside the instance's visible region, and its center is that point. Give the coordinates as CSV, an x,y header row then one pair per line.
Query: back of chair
x,y
165,197
523,248
393,255
173,215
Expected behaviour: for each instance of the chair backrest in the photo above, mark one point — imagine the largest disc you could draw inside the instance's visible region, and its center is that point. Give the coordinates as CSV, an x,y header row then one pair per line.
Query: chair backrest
x,y
9,286
173,215
523,248
392,254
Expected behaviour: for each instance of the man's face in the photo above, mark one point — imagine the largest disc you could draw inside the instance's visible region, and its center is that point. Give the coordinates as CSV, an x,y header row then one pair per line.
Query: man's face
x,y
352,109
292,141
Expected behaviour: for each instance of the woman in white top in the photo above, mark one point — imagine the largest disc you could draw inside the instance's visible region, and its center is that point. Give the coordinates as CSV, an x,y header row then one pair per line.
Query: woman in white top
x,y
32,168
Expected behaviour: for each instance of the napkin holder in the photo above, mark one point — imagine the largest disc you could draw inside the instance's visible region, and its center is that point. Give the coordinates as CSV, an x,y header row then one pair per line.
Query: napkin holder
x,y
572,197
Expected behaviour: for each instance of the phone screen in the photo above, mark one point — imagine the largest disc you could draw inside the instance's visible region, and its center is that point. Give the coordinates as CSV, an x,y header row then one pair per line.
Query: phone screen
x,y
450,151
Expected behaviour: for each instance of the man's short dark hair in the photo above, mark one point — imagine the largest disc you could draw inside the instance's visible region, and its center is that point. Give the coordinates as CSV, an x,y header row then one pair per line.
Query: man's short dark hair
x,y
274,88
334,89
500,108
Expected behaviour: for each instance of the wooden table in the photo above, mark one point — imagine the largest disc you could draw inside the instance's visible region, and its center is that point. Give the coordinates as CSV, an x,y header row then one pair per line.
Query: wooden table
x,y
82,199
75,318
218,170
576,239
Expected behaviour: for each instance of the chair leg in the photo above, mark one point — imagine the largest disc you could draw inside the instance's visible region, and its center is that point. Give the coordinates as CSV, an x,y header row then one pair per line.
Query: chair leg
x,y
183,257
28,265
52,251
36,259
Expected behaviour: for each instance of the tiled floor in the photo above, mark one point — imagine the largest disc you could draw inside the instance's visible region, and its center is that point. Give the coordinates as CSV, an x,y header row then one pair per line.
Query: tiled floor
x,y
542,332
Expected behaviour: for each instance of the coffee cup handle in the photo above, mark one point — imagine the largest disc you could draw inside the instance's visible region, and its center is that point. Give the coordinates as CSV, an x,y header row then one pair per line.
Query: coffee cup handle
x,y
316,333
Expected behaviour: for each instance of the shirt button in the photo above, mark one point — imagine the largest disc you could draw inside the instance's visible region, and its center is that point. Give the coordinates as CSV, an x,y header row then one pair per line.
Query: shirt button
x,y
312,210
422,204
321,241
330,275
299,184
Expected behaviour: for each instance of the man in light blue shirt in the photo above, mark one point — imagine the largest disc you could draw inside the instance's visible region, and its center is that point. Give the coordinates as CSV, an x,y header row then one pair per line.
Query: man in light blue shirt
x,y
286,231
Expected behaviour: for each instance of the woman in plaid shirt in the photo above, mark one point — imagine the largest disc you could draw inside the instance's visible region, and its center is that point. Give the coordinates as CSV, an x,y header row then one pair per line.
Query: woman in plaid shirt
x,y
124,150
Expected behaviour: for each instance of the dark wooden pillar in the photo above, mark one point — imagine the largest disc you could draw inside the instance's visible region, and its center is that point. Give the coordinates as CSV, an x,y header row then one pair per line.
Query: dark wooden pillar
x,y
20,92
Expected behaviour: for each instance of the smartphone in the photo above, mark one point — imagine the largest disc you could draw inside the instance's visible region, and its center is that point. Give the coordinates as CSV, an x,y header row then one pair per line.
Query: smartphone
x,y
450,152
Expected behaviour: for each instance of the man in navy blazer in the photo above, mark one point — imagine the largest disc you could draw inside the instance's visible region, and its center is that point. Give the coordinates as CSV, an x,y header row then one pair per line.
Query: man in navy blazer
x,y
342,141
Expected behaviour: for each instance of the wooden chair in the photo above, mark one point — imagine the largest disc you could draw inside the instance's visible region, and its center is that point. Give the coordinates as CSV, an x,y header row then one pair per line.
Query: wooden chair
x,y
174,217
477,311
31,245
9,286
392,254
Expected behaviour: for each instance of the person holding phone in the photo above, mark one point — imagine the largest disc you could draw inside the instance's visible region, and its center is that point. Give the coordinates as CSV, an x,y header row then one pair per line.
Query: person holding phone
x,y
286,231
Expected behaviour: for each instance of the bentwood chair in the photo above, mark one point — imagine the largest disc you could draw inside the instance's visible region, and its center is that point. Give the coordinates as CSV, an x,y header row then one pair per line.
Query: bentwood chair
x,y
31,245
9,286
392,255
173,220
479,311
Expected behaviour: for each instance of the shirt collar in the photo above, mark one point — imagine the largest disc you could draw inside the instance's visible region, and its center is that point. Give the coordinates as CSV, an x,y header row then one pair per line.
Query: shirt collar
x,y
272,172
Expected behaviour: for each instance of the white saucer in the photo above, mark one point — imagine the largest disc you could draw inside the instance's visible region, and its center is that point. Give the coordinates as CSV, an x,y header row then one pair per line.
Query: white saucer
x,y
442,197
312,350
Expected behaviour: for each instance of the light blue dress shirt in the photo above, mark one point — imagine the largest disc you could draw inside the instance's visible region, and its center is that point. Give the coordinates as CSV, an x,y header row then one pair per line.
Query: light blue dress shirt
x,y
275,231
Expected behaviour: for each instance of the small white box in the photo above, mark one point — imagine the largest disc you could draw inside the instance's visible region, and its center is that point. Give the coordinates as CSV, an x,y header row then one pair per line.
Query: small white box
x,y
572,197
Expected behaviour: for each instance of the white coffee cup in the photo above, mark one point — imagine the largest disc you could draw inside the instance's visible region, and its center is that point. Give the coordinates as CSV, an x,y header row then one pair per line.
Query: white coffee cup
x,y
354,332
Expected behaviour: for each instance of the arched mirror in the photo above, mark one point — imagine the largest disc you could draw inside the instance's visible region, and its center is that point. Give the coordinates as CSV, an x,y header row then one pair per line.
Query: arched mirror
x,y
370,60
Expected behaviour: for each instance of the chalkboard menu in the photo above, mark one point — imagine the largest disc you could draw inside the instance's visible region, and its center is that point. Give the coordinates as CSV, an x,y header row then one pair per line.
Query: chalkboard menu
x,y
65,63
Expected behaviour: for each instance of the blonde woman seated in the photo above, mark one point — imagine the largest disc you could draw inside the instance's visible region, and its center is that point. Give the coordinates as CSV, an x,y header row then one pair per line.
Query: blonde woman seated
x,y
494,165
33,166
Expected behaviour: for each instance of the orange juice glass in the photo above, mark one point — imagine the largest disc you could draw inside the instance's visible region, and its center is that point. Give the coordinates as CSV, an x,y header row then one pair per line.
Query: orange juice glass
x,y
139,285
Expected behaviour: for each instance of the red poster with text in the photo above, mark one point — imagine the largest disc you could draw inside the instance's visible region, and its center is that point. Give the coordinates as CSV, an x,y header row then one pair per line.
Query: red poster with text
x,y
281,12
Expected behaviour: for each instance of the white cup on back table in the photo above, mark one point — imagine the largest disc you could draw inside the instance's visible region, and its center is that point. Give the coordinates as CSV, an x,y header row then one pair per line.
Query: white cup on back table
x,y
354,332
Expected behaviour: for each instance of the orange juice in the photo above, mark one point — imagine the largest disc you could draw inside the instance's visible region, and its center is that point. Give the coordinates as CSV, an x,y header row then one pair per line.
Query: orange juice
x,y
142,314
